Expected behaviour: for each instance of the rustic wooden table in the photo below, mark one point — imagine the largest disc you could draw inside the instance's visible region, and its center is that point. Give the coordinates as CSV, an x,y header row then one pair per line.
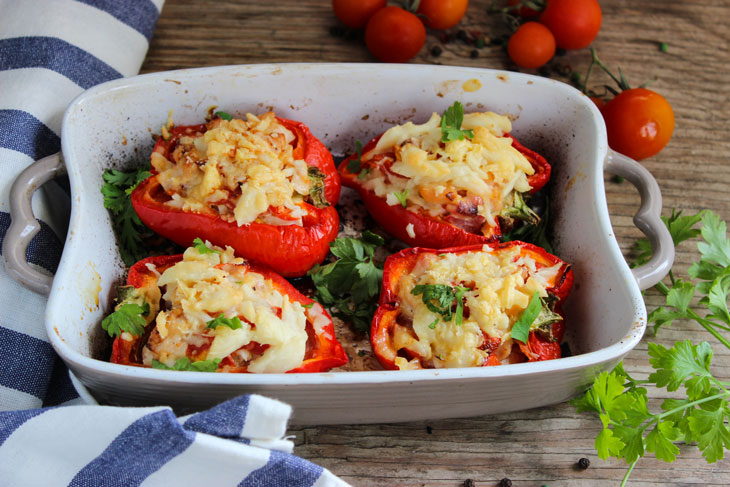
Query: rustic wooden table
x,y
536,447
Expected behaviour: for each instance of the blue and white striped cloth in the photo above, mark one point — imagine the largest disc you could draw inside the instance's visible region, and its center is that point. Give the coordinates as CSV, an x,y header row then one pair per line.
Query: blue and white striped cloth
x,y
50,51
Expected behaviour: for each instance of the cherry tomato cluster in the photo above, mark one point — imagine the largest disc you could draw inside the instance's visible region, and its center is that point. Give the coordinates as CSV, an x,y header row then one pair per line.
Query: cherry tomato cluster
x,y
394,34
564,24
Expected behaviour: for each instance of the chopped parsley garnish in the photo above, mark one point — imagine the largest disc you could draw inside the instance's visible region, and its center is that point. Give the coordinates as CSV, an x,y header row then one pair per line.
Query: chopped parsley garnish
x,y
186,365
351,283
402,197
521,328
117,188
202,248
224,116
451,124
439,298
316,187
308,305
232,323
129,317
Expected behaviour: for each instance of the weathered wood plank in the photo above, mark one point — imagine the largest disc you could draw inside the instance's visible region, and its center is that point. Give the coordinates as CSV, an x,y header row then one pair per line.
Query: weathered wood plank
x,y
540,446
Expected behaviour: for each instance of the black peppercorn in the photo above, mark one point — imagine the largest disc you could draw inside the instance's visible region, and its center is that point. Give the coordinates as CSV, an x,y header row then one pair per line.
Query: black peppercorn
x,y
505,482
469,483
462,36
436,51
474,54
584,463
429,430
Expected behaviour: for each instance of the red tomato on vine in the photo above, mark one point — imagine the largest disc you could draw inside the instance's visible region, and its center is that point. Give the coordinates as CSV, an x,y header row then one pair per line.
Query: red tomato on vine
x,y
574,23
531,46
394,35
356,13
639,122
442,14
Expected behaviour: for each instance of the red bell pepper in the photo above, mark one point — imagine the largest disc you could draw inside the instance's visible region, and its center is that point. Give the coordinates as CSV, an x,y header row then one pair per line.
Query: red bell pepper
x,y
323,351
539,346
429,231
291,250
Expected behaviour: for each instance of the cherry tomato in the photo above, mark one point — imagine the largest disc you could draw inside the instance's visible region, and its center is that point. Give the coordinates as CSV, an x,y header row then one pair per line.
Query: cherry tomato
x,y
639,122
531,46
524,11
394,35
574,23
442,14
356,13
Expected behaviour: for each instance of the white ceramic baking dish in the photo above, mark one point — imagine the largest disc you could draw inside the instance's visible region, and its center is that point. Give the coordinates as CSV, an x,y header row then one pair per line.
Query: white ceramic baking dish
x,y
110,126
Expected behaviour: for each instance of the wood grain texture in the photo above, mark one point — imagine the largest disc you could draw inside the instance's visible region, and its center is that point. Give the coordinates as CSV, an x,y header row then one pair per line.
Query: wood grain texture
x,y
538,447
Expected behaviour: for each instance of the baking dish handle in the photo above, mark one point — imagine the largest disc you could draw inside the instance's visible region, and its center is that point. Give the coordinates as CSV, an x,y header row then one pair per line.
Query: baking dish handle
x,y
24,226
648,218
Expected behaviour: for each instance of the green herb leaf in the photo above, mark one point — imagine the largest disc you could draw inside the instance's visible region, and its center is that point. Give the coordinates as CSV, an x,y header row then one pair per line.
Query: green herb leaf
x,y
521,328
316,187
202,248
185,364
441,299
128,317
224,116
232,323
117,188
350,284
355,164
402,197
451,124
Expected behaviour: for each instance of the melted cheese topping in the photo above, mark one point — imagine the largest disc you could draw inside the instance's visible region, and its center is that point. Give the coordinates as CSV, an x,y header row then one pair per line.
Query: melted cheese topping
x,y
238,169
482,172
501,284
200,288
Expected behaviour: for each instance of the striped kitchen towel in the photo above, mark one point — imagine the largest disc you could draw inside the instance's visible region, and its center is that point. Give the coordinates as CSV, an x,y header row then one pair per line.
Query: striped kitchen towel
x,y
238,443
50,51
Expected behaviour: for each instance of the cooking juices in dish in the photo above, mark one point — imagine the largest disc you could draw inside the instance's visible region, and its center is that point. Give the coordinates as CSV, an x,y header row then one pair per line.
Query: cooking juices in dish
x,y
208,310
454,180
470,306
264,185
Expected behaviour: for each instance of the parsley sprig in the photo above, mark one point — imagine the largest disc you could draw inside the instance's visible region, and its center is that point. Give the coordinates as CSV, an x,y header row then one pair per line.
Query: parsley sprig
x,y
451,124
117,188
444,300
128,317
351,283
701,417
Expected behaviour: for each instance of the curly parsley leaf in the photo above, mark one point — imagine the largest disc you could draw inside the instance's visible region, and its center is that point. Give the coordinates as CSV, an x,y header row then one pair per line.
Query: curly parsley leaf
x,y
701,417
451,122
185,364
351,283
444,300
117,188
202,248
128,317
232,323
224,115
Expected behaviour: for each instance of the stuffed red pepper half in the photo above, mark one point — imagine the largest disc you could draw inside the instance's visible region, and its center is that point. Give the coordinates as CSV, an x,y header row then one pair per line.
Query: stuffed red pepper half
x,y
208,310
455,180
264,185
470,306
